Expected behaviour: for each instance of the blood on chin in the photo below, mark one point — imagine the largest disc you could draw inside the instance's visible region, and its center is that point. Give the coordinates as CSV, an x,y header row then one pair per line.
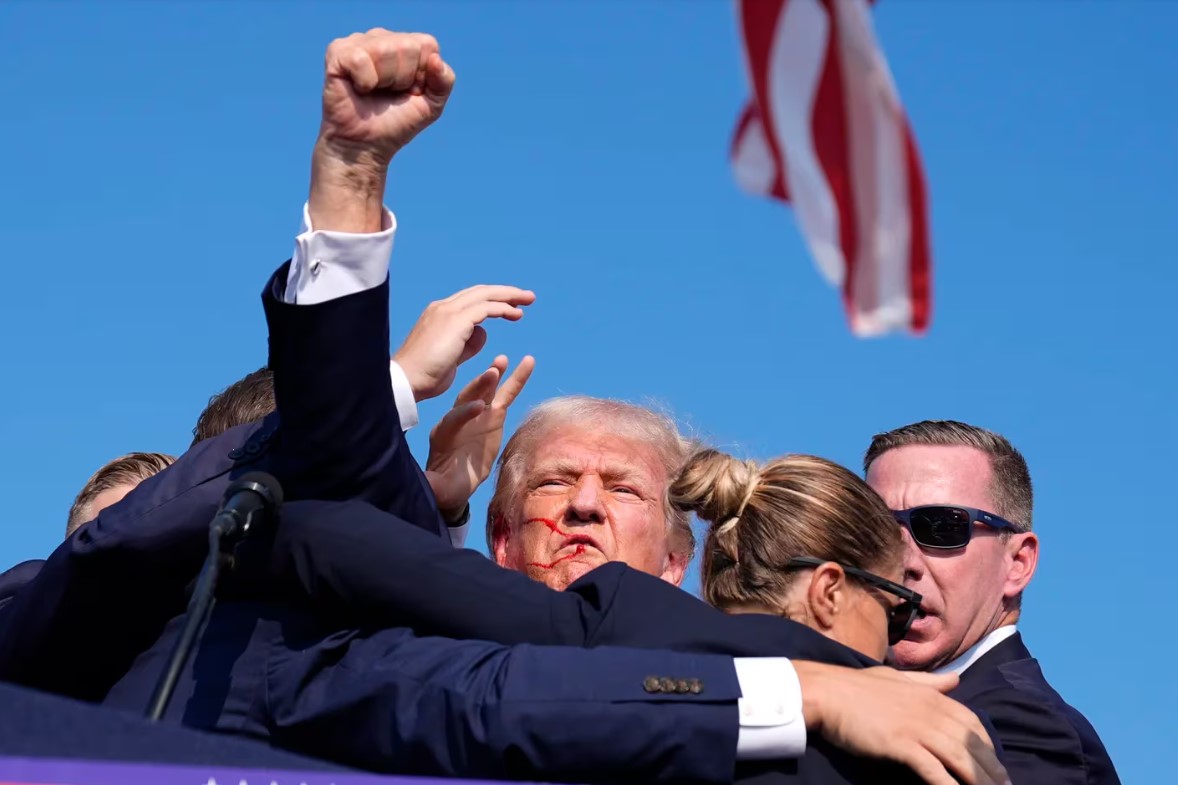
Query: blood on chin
x,y
565,568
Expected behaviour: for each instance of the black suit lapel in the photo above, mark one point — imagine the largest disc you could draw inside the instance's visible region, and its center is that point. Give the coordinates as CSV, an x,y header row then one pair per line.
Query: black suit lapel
x,y
1010,650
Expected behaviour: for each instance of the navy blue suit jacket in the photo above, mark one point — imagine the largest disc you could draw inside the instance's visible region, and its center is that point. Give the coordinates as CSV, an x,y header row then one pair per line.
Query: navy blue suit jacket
x,y
36,725
387,700
14,579
352,562
380,698
1045,739
104,595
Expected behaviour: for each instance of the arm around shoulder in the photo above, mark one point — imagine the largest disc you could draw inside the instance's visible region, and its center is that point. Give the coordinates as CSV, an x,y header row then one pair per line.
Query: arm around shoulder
x,y
429,706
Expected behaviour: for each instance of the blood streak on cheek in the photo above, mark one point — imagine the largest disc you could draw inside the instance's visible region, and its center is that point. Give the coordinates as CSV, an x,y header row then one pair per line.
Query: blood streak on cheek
x,y
551,524
577,552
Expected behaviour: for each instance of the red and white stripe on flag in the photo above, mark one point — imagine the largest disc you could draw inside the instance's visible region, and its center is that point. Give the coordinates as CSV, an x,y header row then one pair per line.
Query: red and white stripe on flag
x,y
825,131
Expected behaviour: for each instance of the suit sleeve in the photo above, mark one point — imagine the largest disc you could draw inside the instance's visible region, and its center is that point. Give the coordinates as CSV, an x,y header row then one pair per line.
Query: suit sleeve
x,y
104,595
339,438
339,435
352,561
432,706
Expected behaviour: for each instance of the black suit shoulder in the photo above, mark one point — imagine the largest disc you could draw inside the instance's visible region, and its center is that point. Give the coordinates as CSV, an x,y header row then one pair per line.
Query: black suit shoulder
x,y
15,579
1043,737
1035,735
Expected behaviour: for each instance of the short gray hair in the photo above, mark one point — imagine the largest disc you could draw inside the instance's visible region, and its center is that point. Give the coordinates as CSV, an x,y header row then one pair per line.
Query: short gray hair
x,y
640,424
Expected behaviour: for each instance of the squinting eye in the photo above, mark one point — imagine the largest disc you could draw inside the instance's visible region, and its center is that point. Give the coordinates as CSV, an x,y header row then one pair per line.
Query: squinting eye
x,y
625,489
546,483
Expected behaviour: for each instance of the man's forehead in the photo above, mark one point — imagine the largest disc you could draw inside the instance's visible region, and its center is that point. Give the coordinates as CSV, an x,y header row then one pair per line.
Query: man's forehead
x,y
576,449
932,474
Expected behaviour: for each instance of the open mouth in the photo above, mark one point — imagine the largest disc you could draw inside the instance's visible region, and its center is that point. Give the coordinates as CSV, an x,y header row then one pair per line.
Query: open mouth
x,y
580,542
923,619
570,548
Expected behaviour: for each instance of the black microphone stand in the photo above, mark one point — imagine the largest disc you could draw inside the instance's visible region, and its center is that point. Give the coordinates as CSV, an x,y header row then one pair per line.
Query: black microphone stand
x,y
227,528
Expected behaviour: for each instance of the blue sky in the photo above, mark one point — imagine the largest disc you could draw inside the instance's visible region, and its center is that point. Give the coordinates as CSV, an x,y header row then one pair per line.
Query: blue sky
x,y
155,162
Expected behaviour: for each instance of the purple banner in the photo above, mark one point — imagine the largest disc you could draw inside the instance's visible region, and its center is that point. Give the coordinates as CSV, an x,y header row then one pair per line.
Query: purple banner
x,y
41,771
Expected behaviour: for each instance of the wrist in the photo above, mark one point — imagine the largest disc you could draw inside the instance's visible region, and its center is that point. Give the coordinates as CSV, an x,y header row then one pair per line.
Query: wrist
x,y
456,518
811,678
347,189
453,515
416,384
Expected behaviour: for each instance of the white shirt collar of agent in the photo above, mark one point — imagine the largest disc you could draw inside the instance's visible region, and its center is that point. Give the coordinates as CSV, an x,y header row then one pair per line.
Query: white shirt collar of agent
x,y
975,652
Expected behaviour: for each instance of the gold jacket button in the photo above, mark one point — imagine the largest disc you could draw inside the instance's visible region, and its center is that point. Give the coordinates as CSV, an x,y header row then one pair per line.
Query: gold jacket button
x,y
651,684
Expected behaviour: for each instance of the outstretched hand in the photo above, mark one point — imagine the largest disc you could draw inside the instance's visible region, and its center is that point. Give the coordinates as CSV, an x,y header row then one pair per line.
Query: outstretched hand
x,y
464,444
449,333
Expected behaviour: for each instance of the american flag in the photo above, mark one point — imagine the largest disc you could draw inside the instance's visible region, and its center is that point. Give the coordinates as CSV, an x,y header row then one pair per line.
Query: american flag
x,y
825,131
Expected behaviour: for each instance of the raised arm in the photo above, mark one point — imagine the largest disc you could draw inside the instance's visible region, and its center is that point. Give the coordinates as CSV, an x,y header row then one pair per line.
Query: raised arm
x,y
339,436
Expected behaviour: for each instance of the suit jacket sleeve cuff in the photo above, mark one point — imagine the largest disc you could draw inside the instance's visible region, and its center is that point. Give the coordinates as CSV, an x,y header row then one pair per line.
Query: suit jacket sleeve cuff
x,y
403,397
771,723
329,265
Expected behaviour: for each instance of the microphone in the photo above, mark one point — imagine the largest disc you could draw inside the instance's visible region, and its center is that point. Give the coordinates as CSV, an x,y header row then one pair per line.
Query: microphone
x,y
250,503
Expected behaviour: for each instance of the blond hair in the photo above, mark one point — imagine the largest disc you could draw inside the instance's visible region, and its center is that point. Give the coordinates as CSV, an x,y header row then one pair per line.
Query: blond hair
x,y
639,424
761,516
130,469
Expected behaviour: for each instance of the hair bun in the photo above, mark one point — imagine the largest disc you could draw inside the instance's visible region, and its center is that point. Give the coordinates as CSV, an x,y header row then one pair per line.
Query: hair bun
x,y
714,485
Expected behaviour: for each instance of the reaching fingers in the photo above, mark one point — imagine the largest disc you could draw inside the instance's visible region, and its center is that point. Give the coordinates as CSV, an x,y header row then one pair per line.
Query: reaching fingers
x,y
479,387
492,293
449,426
514,384
493,310
474,344
499,365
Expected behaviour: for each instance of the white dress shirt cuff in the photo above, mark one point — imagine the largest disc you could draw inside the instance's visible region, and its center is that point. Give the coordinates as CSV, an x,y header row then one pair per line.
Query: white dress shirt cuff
x,y
771,723
327,265
458,535
403,396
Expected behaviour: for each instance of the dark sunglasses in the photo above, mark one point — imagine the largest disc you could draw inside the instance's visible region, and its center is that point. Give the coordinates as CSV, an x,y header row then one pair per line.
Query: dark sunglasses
x,y
900,616
947,527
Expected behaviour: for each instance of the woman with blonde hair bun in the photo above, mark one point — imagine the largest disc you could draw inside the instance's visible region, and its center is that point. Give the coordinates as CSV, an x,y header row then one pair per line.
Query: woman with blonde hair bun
x,y
803,538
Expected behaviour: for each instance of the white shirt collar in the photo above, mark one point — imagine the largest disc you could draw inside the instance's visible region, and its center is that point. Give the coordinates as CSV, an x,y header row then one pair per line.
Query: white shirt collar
x,y
975,652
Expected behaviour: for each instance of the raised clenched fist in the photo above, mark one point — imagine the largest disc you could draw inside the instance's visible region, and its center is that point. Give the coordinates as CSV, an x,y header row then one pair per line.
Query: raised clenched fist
x,y
380,90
